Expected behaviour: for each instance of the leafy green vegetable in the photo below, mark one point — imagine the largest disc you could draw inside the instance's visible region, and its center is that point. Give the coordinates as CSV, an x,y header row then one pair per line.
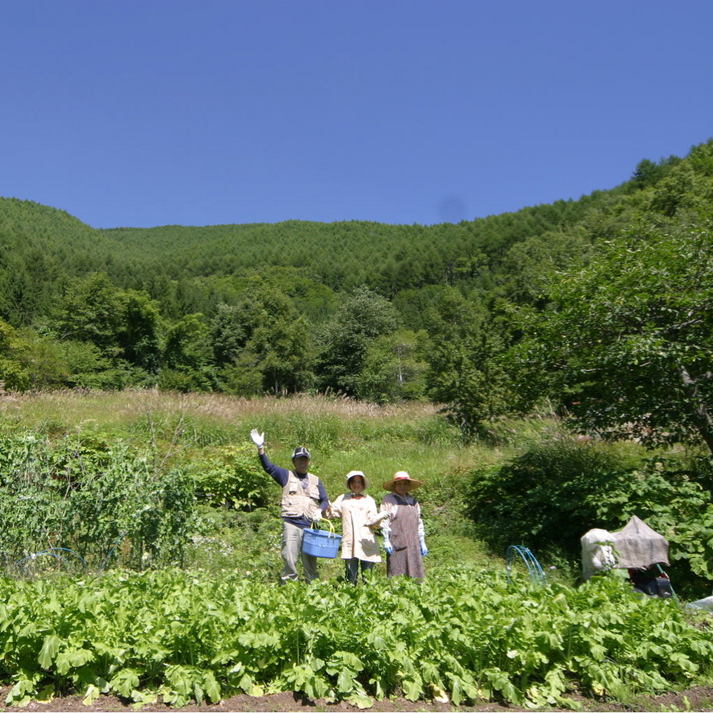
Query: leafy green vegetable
x,y
188,637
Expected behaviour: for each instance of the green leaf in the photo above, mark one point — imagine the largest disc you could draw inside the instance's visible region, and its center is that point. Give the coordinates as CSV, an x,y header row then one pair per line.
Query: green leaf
x,y
125,681
413,689
212,687
50,647
360,700
91,694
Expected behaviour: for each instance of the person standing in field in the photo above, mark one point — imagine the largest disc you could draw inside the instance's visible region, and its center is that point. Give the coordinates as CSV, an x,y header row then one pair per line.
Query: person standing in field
x,y
359,514
404,536
304,499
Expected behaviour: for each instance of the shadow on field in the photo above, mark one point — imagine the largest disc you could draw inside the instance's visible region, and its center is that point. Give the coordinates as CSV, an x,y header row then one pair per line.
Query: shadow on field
x,y
694,699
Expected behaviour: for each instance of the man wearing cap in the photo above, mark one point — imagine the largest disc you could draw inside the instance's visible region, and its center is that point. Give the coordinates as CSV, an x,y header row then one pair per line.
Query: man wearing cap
x,y
304,499
404,537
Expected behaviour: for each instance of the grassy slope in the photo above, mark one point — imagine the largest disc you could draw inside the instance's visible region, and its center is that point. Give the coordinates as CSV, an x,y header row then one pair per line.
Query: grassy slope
x,y
342,434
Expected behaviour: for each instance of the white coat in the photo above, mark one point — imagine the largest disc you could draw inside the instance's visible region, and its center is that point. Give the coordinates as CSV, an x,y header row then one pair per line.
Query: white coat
x,y
357,514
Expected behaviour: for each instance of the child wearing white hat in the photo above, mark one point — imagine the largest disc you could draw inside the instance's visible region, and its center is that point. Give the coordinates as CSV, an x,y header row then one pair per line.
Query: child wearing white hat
x,y
359,514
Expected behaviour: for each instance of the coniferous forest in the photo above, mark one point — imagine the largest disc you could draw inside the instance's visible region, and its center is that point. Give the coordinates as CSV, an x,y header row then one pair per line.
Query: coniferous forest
x,y
601,307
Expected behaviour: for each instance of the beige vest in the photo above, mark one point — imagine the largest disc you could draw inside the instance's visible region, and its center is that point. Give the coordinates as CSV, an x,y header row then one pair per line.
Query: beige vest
x,y
298,501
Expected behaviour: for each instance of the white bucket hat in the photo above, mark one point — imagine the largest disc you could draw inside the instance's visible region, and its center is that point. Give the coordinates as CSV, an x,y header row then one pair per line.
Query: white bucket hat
x,y
353,473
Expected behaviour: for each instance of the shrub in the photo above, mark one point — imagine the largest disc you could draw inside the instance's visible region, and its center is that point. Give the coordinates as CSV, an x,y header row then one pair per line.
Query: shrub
x,y
549,496
232,477
104,502
540,498
237,541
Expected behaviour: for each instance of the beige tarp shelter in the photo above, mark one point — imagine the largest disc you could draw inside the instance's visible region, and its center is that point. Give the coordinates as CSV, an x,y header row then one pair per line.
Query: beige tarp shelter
x,y
635,546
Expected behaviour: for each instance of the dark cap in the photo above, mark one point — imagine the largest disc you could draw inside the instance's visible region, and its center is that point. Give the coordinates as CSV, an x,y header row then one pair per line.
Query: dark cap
x,y
300,452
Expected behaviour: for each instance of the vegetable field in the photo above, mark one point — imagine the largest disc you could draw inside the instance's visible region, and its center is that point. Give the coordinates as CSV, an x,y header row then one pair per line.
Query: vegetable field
x,y
185,636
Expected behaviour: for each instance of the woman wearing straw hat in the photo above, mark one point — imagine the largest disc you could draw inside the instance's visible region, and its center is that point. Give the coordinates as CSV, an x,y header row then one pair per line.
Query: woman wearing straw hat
x,y
404,538
358,513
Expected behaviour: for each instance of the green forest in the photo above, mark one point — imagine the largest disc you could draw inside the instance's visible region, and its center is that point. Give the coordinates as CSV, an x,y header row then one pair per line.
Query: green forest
x,y
599,308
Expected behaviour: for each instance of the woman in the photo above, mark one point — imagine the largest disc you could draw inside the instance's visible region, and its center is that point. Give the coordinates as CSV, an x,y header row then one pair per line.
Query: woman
x,y
358,513
404,538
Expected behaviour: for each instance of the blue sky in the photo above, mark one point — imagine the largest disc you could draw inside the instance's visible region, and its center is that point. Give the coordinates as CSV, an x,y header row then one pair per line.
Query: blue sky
x,y
155,112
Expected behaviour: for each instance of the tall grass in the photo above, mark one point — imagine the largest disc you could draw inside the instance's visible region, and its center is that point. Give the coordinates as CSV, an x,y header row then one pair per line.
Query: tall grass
x,y
301,417
342,434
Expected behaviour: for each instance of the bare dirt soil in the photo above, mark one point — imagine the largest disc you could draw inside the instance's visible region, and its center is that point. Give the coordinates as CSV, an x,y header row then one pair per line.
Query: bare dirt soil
x,y
694,699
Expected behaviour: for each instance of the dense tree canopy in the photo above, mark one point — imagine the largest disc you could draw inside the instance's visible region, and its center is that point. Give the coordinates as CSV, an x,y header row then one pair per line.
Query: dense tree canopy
x,y
626,343
363,317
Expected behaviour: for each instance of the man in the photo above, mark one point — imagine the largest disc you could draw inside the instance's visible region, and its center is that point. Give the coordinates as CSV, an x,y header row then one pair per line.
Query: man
x,y
304,499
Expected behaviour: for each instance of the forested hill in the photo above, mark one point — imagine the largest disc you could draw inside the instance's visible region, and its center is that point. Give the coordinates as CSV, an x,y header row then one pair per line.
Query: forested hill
x,y
344,255
42,248
371,310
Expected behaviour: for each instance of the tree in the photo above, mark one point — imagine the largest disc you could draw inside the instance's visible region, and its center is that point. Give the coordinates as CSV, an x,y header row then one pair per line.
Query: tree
x,y
14,376
118,328
282,353
29,360
527,264
263,343
91,311
230,328
627,345
467,375
464,371
138,334
362,317
648,173
186,359
88,369
394,367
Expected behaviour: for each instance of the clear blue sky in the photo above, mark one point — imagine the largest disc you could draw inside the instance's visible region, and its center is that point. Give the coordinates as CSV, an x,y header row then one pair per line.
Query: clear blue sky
x,y
154,112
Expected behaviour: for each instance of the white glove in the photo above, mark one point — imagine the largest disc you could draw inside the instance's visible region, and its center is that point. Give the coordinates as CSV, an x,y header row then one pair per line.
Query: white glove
x,y
376,519
257,438
422,544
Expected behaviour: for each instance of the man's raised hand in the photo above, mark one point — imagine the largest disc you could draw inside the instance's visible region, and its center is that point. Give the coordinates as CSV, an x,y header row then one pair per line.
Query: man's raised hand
x,y
258,438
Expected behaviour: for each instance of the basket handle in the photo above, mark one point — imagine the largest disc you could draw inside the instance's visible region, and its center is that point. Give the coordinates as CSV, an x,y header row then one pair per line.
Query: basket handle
x,y
331,527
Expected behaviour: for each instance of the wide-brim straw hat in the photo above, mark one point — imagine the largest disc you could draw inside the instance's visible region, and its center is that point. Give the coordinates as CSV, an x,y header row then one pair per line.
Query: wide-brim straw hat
x,y
353,473
400,477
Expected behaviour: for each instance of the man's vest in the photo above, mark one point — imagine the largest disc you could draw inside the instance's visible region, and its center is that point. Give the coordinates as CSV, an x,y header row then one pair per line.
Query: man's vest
x,y
298,501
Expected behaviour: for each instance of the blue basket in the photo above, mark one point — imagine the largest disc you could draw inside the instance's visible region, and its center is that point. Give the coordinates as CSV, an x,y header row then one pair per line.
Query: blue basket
x,y
320,543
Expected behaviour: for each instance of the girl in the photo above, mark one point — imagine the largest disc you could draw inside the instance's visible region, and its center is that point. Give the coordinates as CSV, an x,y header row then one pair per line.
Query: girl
x,y
358,513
